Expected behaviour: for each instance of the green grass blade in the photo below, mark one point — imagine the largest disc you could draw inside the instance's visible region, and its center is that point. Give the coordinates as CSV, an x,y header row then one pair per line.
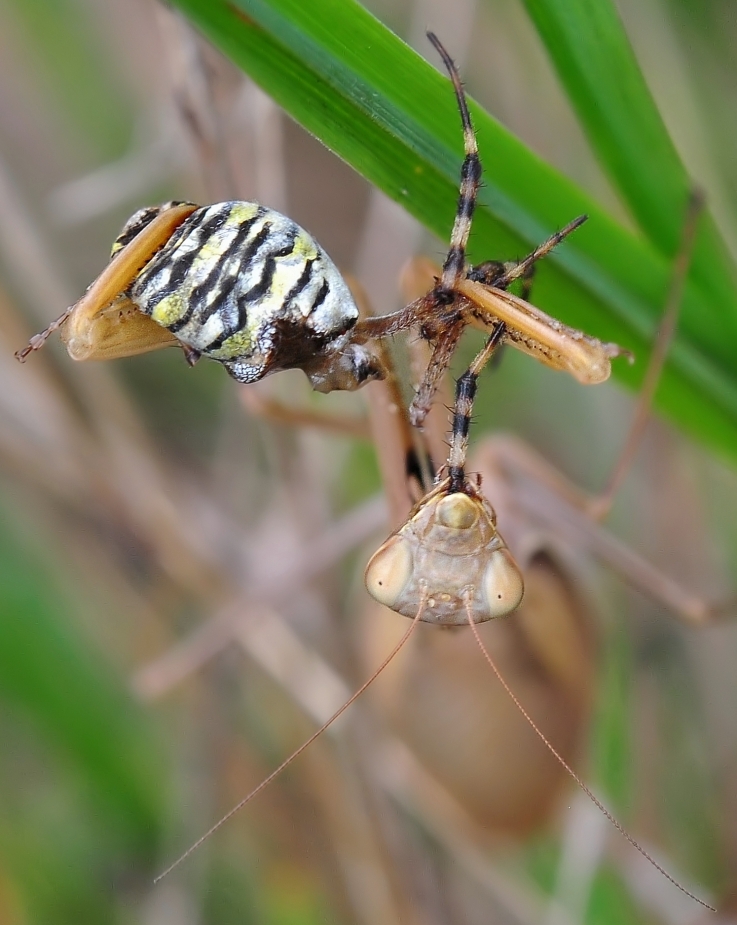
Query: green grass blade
x,y
596,64
54,678
590,50
378,105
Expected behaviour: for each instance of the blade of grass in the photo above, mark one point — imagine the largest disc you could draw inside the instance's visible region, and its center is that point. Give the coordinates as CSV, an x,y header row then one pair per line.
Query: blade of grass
x,y
597,66
50,675
378,105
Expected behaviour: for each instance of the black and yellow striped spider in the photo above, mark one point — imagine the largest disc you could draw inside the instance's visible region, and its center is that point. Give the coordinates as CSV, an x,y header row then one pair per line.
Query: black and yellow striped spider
x,y
246,286
236,282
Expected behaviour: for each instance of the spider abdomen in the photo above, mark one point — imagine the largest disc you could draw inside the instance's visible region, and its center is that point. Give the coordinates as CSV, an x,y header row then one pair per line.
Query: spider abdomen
x,y
244,285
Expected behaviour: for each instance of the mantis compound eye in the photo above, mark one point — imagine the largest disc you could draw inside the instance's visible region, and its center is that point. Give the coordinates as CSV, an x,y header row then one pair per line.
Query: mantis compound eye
x,y
503,586
389,571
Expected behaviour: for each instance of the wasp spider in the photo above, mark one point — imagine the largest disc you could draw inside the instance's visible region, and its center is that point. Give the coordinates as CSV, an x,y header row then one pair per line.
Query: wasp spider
x,y
241,284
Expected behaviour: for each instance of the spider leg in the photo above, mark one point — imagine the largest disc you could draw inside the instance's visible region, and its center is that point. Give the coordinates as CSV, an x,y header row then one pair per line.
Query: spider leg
x,y
502,275
465,394
454,267
444,346
455,261
375,327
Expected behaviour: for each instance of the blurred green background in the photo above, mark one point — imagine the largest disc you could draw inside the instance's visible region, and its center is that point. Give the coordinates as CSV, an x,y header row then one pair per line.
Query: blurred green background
x,y
180,581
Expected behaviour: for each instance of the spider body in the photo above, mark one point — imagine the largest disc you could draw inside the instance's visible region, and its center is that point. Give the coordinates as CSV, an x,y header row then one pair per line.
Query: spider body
x,y
236,282
244,285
